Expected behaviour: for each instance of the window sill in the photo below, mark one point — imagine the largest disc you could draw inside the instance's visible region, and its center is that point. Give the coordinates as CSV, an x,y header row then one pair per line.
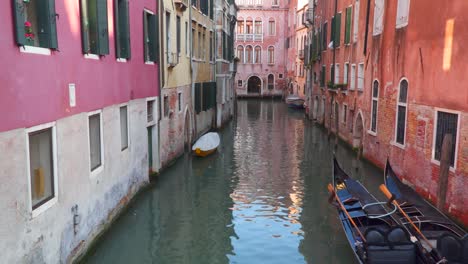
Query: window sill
x,y
36,212
372,133
396,144
121,60
149,62
91,56
436,162
96,171
35,50
360,90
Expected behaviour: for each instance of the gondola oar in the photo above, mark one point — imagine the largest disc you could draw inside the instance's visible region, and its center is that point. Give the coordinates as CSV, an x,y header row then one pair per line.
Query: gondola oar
x,y
333,193
391,198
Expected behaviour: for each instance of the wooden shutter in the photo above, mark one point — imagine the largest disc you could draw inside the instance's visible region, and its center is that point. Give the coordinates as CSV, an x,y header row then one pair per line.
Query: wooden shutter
x,y
324,39
19,22
84,27
47,29
336,41
211,9
122,29
102,27
348,25
153,36
332,32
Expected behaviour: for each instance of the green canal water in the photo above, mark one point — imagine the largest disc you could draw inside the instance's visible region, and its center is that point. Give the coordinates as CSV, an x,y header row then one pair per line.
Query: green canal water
x,y
262,198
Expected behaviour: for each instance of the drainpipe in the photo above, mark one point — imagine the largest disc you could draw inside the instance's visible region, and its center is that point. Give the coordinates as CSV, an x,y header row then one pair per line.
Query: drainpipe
x,y
161,77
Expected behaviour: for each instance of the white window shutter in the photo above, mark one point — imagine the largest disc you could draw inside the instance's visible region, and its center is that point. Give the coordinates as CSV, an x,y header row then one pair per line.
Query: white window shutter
x,y
378,17
356,22
402,13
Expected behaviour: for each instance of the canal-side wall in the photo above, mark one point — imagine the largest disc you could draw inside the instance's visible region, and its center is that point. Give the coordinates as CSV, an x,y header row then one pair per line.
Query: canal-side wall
x,y
59,232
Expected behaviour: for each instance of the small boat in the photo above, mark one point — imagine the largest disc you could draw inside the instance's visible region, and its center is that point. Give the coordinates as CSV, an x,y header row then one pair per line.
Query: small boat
x,y
372,233
447,238
206,144
294,101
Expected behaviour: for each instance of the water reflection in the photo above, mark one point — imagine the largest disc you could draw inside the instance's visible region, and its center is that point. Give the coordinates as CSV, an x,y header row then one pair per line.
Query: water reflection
x,y
261,199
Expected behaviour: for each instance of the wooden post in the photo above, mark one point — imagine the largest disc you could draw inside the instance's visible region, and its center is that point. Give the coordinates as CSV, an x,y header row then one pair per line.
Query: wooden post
x,y
445,159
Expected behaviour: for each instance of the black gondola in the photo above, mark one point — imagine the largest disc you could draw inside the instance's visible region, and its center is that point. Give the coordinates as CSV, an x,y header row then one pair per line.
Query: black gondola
x,y
448,239
374,236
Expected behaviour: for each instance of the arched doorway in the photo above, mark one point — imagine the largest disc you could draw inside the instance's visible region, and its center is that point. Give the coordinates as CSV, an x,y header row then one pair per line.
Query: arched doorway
x,y
254,85
358,133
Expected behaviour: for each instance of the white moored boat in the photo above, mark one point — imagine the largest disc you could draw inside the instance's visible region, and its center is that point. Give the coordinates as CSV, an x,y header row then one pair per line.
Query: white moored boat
x,y
206,144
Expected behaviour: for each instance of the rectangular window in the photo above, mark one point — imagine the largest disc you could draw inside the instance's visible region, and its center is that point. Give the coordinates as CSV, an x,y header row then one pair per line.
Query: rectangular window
x,y
356,22
94,27
275,3
95,141
122,29
194,53
401,112
35,23
123,128
360,81
204,44
187,39
200,40
336,30
178,35
447,123
345,114
42,173
211,47
352,85
179,101
151,37
280,76
337,73
272,28
379,10
348,25
345,73
166,106
375,102
402,13
168,36
322,76
150,111
239,83
324,38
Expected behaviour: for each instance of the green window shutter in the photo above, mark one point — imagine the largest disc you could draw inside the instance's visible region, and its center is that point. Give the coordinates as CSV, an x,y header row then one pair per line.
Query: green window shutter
x,y
348,25
102,27
211,9
117,21
19,22
53,25
332,31
153,35
46,24
337,38
122,38
84,27
325,31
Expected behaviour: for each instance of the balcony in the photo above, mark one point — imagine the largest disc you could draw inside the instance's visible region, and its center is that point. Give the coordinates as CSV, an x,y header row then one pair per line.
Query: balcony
x,y
181,5
172,59
301,54
309,16
249,37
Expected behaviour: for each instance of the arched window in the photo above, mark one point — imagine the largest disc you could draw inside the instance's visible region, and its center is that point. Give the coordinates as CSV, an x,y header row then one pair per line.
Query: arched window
x,y
248,54
375,101
258,54
240,25
240,54
271,55
258,26
271,27
401,112
271,82
249,26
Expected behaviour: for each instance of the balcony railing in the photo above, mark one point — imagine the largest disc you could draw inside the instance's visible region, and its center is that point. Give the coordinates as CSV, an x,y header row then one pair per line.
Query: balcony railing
x,y
249,37
301,54
309,16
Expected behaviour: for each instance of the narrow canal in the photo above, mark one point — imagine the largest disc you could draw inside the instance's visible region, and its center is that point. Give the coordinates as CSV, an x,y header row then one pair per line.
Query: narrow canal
x,y
261,199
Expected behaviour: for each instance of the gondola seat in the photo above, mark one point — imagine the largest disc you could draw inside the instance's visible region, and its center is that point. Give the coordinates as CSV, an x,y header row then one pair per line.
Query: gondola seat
x,y
392,247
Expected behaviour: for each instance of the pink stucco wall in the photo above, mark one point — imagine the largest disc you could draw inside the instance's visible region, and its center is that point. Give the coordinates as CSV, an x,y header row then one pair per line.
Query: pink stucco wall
x,y
34,88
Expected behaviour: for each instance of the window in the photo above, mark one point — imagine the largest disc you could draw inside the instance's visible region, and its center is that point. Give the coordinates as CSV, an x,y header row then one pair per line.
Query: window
x,y
336,30
280,76
249,26
200,41
356,22
348,25
42,165
258,54
240,26
187,39
123,127
179,101
337,73
275,3
248,54
446,123
258,26
178,35
166,106
401,112
353,77
150,111
360,80
271,82
239,83
344,115
345,73
194,53
271,27
151,45
211,46
402,13
35,23
168,36
271,55
324,37
94,31
375,100
203,55
322,76
322,108
122,29
379,10
96,154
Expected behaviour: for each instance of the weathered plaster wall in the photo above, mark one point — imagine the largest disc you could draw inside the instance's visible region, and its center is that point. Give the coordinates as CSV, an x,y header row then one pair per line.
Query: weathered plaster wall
x,y
49,237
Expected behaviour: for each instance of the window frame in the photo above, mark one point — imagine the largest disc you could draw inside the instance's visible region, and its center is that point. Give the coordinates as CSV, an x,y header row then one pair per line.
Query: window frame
x,y
434,136
94,172
128,127
398,104
353,74
346,73
179,102
273,55
155,113
117,37
271,29
51,202
376,99
360,89
146,35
